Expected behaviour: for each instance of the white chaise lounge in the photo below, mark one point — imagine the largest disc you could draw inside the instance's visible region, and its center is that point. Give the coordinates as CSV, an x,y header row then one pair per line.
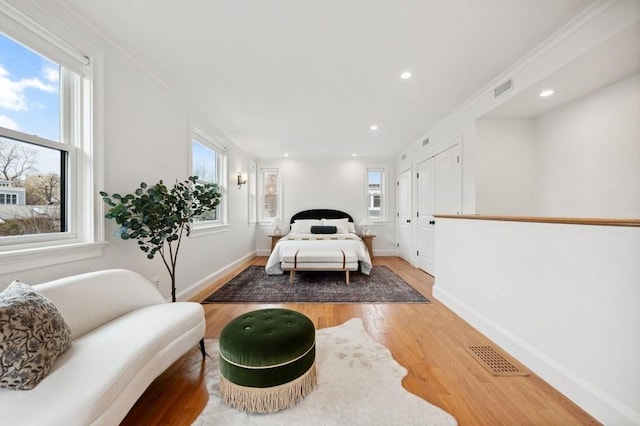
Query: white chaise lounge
x,y
124,334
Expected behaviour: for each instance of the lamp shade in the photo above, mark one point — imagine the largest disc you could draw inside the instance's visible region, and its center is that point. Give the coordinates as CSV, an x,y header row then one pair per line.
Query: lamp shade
x,y
365,222
276,223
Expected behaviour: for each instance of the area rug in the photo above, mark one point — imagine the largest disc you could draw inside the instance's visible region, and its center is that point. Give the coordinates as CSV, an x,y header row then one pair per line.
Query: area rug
x,y
359,383
253,285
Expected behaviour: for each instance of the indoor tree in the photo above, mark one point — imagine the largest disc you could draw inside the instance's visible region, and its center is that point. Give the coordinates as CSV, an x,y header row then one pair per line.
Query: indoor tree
x,y
158,217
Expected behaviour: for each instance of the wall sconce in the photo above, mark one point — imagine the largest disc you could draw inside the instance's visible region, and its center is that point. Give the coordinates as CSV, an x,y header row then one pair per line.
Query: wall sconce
x,y
242,179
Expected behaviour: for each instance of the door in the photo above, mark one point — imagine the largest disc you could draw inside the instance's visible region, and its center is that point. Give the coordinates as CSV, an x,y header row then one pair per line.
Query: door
x,y
439,191
404,215
426,209
448,181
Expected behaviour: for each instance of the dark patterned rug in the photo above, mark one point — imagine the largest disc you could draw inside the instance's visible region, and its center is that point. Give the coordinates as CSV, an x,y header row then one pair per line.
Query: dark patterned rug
x,y
253,285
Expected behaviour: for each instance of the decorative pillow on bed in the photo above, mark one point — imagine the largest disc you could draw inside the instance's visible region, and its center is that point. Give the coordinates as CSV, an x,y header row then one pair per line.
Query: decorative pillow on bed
x,y
303,226
318,229
32,336
341,224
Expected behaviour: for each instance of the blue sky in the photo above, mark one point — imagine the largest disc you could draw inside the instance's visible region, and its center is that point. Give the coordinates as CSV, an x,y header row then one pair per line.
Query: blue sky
x,y
29,94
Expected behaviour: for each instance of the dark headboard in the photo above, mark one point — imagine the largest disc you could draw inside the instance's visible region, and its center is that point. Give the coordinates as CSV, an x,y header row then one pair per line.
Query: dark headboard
x,y
321,214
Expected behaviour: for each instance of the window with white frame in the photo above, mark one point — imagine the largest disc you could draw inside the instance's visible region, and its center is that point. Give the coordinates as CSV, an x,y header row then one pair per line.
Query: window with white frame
x,y
375,193
48,166
269,194
208,163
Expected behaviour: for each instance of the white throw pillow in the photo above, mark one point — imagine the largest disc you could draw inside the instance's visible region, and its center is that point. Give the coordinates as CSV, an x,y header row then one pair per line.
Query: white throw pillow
x,y
303,226
342,225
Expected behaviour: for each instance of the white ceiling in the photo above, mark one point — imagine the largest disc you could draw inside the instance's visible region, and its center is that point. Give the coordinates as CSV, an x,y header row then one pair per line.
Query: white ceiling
x,y
310,77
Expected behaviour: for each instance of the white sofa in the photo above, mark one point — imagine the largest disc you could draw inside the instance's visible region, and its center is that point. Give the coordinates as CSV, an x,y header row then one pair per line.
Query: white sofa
x,y
124,334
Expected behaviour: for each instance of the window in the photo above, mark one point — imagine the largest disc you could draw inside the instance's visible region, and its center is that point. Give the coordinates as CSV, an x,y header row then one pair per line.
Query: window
x,y
253,196
208,163
48,167
375,193
270,206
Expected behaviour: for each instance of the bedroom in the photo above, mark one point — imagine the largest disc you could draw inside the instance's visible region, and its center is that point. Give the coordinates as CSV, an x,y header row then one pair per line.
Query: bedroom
x,y
140,107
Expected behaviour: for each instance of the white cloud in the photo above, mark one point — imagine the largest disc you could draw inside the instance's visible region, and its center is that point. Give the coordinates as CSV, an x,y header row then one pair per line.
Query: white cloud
x,y
8,123
51,74
12,94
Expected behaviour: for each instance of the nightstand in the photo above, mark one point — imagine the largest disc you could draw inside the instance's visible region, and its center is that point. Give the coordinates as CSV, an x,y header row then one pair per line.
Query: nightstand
x,y
368,241
274,240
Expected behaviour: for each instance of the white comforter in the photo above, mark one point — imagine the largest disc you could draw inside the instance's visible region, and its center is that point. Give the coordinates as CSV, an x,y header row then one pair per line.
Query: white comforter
x,y
294,242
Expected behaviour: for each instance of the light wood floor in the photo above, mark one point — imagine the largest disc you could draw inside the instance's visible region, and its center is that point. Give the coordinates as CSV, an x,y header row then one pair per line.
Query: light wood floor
x,y
428,339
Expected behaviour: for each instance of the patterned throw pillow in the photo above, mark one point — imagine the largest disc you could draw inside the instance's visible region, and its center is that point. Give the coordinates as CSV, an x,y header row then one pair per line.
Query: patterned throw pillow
x,y
32,336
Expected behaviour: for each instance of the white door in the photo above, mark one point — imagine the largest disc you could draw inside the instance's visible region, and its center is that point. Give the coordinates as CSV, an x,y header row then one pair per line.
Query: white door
x,y
448,181
404,215
426,210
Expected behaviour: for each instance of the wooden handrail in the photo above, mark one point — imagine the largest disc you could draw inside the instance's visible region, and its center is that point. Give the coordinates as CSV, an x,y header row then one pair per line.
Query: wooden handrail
x,y
543,219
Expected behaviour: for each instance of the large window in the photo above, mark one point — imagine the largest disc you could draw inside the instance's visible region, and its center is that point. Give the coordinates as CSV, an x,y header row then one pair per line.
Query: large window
x,y
208,163
34,152
375,195
48,148
270,194
253,193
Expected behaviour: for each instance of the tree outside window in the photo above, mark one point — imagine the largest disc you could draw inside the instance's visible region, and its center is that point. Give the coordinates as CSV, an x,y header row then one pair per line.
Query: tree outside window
x,y
33,154
208,164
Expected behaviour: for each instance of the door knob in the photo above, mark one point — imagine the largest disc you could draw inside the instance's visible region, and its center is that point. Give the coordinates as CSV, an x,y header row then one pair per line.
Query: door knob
x,y
432,222
408,220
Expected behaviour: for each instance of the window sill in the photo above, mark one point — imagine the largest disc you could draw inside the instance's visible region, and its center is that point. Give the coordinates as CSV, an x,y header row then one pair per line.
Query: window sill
x,y
33,258
203,230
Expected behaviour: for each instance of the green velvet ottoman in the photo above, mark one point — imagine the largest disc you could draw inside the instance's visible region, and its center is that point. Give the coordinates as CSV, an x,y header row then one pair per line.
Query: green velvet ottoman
x,y
267,360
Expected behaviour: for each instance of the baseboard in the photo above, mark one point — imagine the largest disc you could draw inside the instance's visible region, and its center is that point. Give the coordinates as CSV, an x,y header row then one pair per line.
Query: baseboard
x,y
197,287
594,401
385,252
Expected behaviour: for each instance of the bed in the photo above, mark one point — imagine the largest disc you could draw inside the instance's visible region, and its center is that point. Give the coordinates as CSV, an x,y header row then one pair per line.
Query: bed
x,y
323,237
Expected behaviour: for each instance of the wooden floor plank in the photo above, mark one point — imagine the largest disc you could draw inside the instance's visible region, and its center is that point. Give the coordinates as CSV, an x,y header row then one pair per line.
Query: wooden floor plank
x,y
427,339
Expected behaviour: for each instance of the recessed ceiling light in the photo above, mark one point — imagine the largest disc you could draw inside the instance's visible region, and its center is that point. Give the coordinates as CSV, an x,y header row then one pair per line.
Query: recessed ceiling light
x,y
405,75
374,127
546,93
286,155
354,155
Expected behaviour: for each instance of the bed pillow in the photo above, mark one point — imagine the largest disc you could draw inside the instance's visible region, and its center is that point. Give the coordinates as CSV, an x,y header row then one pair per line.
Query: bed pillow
x,y
352,227
32,336
322,229
303,226
341,224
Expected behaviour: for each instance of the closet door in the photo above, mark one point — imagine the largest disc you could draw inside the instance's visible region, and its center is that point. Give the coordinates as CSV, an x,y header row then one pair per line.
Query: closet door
x,y
404,215
426,209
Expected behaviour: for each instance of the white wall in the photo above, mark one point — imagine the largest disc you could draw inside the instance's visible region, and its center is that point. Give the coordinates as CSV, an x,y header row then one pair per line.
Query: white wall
x,y
589,155
506,167
563,299
146,138
332,183
580,160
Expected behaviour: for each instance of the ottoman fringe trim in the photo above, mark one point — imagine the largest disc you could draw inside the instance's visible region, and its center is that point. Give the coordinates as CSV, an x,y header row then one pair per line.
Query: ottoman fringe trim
x,y
271,399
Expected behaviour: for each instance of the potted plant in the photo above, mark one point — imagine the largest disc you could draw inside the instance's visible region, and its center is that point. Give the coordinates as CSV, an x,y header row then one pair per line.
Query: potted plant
x,y
158,217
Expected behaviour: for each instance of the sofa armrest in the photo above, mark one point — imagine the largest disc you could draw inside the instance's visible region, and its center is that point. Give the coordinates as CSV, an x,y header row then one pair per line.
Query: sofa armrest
x,y
88,301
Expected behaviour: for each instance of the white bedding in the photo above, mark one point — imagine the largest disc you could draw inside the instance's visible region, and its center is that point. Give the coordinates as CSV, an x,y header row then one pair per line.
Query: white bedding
x,y
293,242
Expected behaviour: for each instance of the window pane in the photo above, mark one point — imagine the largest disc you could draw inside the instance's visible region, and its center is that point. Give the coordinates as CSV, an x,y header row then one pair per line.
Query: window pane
x,y
204,163
31,178
270,191
29,91
374,192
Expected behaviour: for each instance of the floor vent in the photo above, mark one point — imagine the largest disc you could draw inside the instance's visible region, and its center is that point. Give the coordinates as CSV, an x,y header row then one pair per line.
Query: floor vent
x,y
496,363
